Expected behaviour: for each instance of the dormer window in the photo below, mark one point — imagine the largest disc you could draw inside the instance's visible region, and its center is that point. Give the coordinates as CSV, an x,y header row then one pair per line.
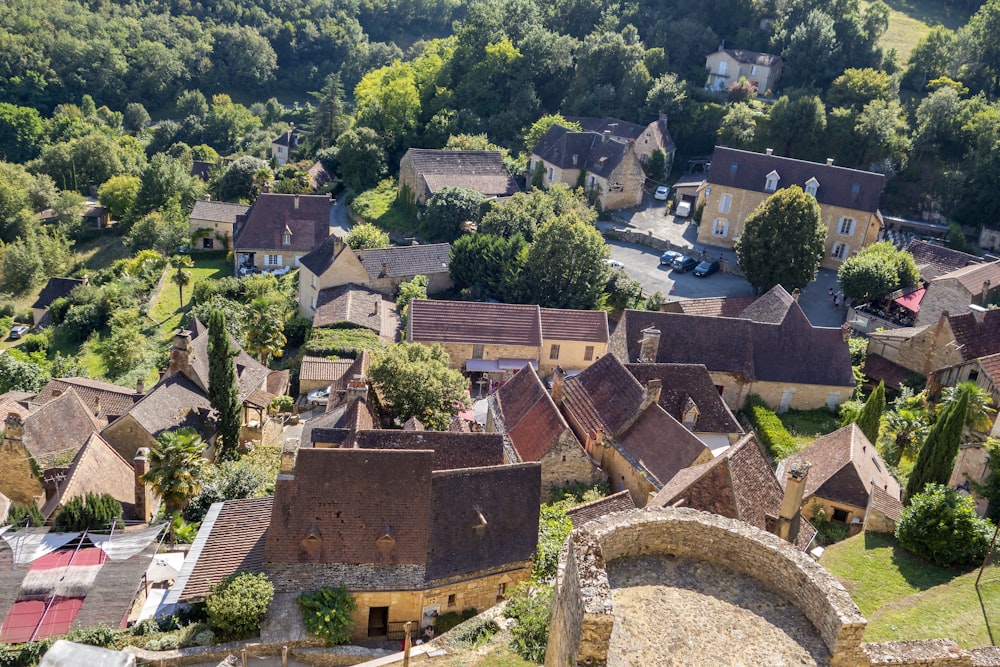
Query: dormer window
x,y
812,185
771,184
286,239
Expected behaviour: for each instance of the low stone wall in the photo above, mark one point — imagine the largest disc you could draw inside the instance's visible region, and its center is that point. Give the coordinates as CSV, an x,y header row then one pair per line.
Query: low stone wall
x,y
304,651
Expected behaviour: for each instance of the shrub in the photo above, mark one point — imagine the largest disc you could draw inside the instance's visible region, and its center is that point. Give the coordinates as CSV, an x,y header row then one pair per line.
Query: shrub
x,y
326,613
531,610
101,635
164,643
35,343
772,433
91,512
941,525
475,633
282,404
23,516
553,529
450,619
237,605
296,330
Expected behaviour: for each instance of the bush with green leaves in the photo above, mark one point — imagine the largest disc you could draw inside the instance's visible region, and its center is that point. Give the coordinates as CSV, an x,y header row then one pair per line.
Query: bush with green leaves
x,y
25,516
553,529
238,603
772,433
91,512
326,613
530,607
941,525
473,633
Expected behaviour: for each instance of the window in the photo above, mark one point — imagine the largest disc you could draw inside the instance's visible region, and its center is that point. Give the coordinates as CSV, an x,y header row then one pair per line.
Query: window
x,y
840,515
840,251
314,281
725,203
272,260
207,243
733,168
973,376
812,185
591,181
477,351
753,69
722,67
856,189
720,227
846,226
286,239
451,600
554,352
771,182
588,353
552,174
501,592
833,400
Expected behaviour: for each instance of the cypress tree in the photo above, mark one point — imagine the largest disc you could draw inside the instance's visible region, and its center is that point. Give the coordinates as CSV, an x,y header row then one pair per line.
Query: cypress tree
x,y
871,415
222,392
940,448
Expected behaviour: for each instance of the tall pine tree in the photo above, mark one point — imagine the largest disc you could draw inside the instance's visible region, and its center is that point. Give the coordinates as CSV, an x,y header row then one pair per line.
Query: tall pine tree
x,y
222,391
939,450
871,415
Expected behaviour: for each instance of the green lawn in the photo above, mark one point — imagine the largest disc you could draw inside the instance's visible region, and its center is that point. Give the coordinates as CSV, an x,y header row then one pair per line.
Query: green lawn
x,y
167,310
904,597
807,425
380,207
910,20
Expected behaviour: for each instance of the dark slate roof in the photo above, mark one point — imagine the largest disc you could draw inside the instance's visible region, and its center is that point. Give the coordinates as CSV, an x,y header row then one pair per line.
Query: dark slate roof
x,y
231,540
934,260
56,288
63,425
474,323
405,261
681,383
482,171
604,397
717,306
837,185
97,468
288,138
318,176
974,276
526,416
565,324
792,351
359,306
250,373
738,484
482,518
307,217
596,153
202,169
620,129
319,259
878,368
843,467
451,450
174,403
753,57
595,509
339,423
772,307
105,399
976,338
217,211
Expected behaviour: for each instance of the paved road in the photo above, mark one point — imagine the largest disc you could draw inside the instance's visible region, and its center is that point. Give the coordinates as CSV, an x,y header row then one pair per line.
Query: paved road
x,y
339,221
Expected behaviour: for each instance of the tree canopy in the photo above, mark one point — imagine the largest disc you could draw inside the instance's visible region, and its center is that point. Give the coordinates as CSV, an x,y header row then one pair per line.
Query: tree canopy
x,y
877,271
565,265
415,381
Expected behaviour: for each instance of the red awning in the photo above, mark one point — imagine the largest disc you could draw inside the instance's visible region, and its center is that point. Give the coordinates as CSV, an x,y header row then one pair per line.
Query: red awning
x,y
911,301
51,620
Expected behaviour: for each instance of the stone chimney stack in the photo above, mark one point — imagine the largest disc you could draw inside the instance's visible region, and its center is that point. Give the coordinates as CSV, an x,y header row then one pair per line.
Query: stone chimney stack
x,y
845,331
143,491
829,162
651,394
338,245
296,204
357,389
385,269
796,293
558,381
289,453
649,345
140,386
978,312
181,355
97,406
13,427
378,305
791,502
769,151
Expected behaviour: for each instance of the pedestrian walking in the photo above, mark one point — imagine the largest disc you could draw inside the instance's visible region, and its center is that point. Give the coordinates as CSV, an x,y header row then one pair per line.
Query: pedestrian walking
x,y
831,293
836,301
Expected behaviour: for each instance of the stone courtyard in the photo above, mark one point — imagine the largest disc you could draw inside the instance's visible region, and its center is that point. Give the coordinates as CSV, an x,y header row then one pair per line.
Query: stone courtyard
x,y
676,611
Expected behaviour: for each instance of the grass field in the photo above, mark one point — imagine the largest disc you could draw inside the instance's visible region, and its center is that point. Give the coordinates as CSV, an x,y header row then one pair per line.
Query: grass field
x,y
807,425
910,20
904,597
167,310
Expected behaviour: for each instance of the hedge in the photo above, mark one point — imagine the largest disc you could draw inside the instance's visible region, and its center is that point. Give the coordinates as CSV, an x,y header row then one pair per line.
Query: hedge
x,y
772,433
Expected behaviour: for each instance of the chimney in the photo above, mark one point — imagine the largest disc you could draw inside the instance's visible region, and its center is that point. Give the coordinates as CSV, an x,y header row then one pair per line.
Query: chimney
x,y
796,293
181,354
769,151
13,427
378,306
978,312
791,501
296,202
651,393
357,389
143,491
338,245
575,159
385,269
208,197
289,453
140,386
97,406
649,345
829,162
845,331
86,279
558,379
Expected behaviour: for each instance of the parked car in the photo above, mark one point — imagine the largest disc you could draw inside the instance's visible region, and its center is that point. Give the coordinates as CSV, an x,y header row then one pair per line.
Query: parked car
x,y
683,264
19,331
668,257
613,263
320,396
706,268
683,209
662,193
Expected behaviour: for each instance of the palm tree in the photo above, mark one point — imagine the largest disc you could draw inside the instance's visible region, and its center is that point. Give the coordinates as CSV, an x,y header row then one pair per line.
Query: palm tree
x,y
265,330
180,277
176,467
908,428
980,414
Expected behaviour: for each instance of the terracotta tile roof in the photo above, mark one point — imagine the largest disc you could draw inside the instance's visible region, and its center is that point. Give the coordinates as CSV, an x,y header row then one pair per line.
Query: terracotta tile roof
x,y
681,383
838,186
976,338
934,260
973,276
451,450
326,370
105,399
991,367
231,540
900,334
54,289
405,261
217,211
604,397
306,217
878,368
61,426
564,324
174,403
720,306
338,424
482,171
474,323
15,401
357,305
595,153
318,176
843,467
595,509
738,484
753,57
660,445
97,468
887,505
772,307
526,416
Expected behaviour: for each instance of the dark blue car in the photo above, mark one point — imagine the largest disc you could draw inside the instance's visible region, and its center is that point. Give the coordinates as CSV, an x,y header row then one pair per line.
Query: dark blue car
x,y
683,264
706,268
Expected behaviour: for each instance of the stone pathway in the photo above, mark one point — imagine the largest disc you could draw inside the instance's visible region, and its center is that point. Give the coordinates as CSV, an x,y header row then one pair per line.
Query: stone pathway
x,y
680,612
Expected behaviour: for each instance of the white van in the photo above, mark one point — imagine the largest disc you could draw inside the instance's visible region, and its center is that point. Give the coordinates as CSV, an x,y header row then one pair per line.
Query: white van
x,y
683,209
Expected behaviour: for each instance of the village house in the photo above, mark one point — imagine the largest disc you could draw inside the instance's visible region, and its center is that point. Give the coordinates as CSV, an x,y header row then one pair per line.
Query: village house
x,y
623,428
356,306
844,467
984,372
609,170
97,468
317,373
422,172
211,223
935,260
959,290
739,181
727,66
55,288
533,430
334,263
107,401
771,349
646,139
278,230
284,146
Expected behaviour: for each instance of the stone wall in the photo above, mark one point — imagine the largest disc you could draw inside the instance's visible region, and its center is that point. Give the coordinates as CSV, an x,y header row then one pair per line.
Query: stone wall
x,y
572,355
942,296
458,353
805,396
566,462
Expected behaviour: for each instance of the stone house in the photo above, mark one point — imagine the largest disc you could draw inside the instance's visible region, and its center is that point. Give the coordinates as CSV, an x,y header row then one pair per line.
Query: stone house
x,y
609,170
316,373
843,468
278,230
356,306
333,263
739,181
533,430
727,66
97,468
622,427
989,239
740,484
422,172
771,349
55,288
958,290
283,147
646,139
107,401
211,223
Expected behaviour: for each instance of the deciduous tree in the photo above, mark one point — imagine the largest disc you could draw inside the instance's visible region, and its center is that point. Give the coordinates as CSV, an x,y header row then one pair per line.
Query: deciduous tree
x,y
367,236
877,271
117,194
564,267
415,381
449,208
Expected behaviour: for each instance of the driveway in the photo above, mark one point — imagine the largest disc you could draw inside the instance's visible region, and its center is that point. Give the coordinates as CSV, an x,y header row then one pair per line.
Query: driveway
x,y
340,223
